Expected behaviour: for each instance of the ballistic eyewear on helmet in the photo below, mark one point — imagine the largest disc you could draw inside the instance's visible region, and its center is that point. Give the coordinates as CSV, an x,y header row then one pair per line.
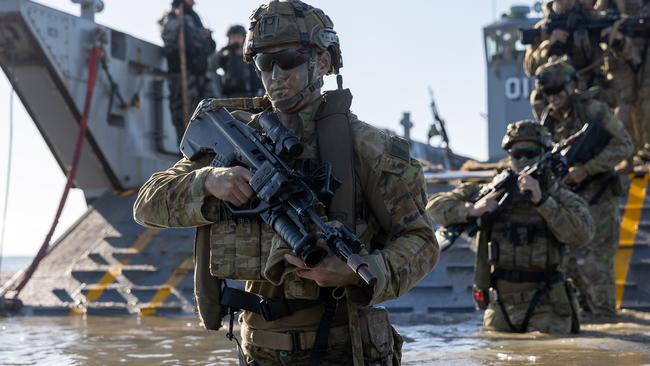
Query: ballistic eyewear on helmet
x,y
552,90
286,59
525,153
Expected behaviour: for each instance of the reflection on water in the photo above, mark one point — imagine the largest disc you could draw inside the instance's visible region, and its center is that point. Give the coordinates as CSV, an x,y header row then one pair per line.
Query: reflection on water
x,y
110,341
445,339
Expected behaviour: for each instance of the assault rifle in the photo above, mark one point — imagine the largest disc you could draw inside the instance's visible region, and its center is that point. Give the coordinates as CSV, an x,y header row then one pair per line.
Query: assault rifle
x,y
632,26
438,128
577,149
285,199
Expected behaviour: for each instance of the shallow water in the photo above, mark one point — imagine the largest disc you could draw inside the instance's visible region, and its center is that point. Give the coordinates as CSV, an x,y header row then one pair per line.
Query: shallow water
x,y
445,339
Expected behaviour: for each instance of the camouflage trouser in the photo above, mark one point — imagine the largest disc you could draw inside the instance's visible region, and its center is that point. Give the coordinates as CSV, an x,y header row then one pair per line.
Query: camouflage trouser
x,y
551,315
198,88
593,271
633,90
381,344
335,355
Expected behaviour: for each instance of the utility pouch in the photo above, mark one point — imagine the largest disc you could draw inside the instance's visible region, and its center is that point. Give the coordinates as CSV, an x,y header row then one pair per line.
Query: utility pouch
x,y
382,345
238,249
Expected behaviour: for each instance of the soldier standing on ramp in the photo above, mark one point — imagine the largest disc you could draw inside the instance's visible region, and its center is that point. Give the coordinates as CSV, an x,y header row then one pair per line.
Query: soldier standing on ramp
x,y
581,49
239,79
297,315
521,257
198,45
627,65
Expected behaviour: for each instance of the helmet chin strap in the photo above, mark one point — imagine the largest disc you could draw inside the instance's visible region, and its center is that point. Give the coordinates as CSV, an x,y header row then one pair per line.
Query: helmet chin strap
x,y
290,105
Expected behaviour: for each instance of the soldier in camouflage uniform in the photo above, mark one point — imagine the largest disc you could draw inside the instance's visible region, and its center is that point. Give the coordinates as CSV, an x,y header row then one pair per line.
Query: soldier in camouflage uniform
x,y
582,51
239,78
568,110
293,45
521,256
198,46
627,66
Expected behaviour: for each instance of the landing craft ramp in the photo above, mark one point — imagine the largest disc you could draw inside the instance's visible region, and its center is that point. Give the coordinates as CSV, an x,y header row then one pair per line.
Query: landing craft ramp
x,y
106,263
44,53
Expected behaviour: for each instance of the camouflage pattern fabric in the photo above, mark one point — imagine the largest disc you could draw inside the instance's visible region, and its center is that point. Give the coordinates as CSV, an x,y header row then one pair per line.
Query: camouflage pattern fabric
x,y
593,270
596,279
627,66
552,314
583,52
585,108
380,342
339,355
198,46
567,217
395,217
198,88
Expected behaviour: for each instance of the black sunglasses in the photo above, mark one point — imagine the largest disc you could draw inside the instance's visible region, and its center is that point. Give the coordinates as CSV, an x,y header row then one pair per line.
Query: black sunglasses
x,y
554,90
285,59
527,153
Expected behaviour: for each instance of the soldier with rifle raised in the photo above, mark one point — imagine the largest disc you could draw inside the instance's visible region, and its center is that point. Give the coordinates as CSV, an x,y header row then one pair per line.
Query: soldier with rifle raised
x,y
594,180
627,42
314,262
526,228
555,36
187,46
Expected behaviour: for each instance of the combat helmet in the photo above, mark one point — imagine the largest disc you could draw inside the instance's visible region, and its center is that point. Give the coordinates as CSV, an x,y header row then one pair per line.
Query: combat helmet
x,y
554,75
292,22
526,130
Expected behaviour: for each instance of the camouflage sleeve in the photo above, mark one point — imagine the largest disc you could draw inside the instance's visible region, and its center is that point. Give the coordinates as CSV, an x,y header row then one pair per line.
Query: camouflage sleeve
x,y
452,207
174,197
535,54
619,148
410,251
567,216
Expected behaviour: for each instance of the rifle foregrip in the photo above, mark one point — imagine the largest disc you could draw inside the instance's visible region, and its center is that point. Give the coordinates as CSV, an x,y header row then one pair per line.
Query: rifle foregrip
x,y
360,267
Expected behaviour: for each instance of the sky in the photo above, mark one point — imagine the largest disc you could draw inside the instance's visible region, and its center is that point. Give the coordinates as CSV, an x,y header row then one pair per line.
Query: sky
x,y
392,52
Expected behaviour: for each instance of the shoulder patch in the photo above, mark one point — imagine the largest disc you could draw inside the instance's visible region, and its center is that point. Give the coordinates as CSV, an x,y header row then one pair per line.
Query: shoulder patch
x,y
399,148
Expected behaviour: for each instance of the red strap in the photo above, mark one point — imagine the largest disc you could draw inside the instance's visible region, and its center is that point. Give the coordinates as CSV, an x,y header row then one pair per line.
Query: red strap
x,y
93,58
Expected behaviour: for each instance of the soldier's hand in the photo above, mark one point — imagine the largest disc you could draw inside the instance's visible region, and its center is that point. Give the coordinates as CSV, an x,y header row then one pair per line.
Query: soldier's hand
x,y
576,174
331,272
559,35
611,34
229,184
530,184
486,204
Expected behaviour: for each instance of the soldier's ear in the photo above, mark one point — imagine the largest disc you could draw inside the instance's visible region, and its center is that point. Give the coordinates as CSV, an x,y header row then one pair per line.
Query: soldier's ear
x,y
324,63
